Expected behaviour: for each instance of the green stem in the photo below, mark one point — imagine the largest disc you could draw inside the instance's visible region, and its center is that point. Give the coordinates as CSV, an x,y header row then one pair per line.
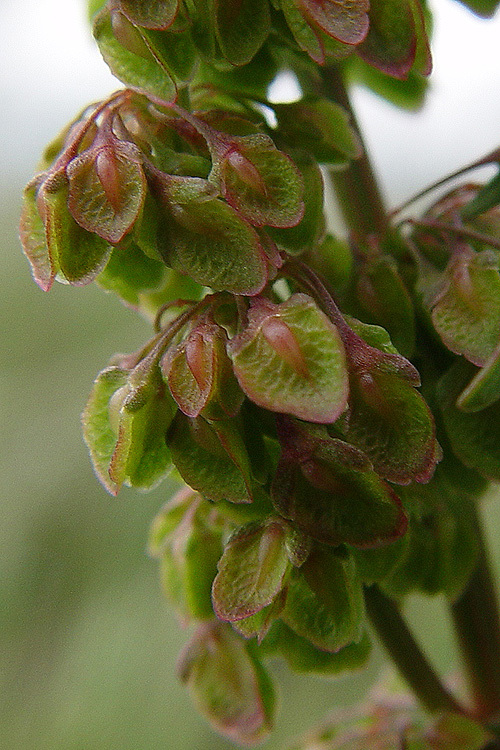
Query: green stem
x,y
406,654
356,187
477,623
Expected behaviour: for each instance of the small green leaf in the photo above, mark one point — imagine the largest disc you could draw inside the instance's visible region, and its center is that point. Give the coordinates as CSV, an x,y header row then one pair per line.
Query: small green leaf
x,y
145,232
239,514
422,18
258,624
211,458
188,562
202,29
442,544
228,684
320,127
383,295
332,259
107,189
175,286
79,256
390,421
186,192
305,658
466,312
241,28
290,359
141,458
129,273
484,8
252,79
332,495
252,571
210,242
391,42
377,564
124,426
306,36
152,14
305,235
408,93
484,388
128,57
100,435
32,233
474,437
173,51
261,183
344,20
168,518
325,602
373,335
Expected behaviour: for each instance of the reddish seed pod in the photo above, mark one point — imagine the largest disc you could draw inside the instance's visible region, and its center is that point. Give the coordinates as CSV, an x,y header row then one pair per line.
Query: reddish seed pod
x,y
196,357
246,171
109,177
280,337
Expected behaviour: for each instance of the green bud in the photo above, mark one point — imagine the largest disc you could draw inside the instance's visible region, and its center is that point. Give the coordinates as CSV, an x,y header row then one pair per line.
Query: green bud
x,y
325,602
212,458
188,553
252,570
228,684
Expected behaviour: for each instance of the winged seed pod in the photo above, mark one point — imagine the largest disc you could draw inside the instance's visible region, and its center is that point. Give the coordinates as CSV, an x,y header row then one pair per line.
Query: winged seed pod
x,y
108,184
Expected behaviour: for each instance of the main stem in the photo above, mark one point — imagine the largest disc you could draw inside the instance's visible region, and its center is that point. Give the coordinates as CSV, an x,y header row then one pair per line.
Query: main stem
x,y
406,654
477,623
356,187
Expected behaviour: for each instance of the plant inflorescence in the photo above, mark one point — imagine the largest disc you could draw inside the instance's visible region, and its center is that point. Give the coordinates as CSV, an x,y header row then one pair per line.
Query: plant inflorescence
x,y
331,402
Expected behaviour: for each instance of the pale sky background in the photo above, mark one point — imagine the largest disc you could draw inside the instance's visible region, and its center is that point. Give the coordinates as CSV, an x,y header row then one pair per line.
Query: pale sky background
x,y
50,69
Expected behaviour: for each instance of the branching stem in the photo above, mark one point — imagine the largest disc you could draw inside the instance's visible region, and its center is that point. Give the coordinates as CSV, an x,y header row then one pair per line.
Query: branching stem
x,y
492,158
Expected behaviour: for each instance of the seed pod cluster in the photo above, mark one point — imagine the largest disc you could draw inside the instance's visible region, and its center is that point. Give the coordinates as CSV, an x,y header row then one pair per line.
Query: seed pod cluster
x,y
281,379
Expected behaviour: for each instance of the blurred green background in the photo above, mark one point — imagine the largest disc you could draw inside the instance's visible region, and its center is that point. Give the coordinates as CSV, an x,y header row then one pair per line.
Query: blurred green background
x,y
87,644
